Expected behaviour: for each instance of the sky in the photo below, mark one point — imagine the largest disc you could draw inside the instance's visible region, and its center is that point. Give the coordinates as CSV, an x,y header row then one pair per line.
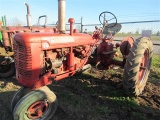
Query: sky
x,y
124,10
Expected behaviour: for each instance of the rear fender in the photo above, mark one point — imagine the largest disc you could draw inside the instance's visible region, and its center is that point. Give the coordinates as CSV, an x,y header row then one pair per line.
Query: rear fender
x,y
126,44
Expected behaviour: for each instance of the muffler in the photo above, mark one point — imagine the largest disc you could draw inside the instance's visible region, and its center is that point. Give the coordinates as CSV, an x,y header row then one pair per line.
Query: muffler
x,y
61,16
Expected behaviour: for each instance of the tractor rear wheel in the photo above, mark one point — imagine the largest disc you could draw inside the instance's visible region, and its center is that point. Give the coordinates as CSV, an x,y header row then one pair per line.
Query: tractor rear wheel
x,y
38,104
137,67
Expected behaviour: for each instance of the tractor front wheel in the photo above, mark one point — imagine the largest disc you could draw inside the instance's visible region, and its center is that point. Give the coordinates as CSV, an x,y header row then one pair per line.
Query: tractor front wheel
x,y
18,95
137,67
39,104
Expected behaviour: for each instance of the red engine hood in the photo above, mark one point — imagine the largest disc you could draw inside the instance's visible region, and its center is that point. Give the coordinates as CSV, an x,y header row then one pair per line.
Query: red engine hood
x,y
55,40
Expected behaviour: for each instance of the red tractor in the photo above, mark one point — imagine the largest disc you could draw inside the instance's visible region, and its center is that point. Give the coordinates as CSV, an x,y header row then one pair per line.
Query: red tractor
x,y
7,67
41,58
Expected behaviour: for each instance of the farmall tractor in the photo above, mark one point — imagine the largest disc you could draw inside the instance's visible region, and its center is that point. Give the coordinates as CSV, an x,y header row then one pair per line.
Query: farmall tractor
x,y
41,58
7,66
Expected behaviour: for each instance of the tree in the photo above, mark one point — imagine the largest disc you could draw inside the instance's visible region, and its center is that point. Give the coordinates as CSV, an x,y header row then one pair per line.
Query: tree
x,y
158,33
137,31
16,22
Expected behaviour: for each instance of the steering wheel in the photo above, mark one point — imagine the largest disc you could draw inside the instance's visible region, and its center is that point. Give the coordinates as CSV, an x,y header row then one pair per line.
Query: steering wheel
x,y
106,18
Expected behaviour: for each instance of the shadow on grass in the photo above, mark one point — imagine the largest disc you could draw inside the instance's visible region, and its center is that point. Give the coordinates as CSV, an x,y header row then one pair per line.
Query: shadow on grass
x,y
108,84
154,77
5,100
72,106
86,96
82,97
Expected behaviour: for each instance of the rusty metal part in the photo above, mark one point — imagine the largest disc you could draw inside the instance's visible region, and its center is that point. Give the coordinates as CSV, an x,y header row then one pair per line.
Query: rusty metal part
x,y
37,109
6,41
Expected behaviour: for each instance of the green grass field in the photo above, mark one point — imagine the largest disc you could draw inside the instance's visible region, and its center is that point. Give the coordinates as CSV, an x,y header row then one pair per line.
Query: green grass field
x,y
155,66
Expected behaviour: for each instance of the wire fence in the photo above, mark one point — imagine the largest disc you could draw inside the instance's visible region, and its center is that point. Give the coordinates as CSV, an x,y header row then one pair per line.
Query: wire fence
x,y
135,29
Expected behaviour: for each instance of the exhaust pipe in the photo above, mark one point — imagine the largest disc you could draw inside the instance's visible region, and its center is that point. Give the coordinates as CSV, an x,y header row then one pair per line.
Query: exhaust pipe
x,y
28,16
61,16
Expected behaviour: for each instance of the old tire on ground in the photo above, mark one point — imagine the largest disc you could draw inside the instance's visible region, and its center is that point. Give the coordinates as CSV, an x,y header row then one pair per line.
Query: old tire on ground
x,y
7,71
38,104
137,67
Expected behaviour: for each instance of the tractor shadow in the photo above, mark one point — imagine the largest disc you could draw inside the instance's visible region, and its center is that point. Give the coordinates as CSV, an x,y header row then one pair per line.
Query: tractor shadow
x,y
97,95
102,92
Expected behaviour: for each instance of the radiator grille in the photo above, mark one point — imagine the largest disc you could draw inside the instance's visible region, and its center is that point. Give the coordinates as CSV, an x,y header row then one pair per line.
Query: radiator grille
x,y
23,60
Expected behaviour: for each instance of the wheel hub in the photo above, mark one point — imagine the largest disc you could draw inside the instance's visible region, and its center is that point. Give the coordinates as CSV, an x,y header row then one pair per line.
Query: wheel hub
x,y
37,109
143,65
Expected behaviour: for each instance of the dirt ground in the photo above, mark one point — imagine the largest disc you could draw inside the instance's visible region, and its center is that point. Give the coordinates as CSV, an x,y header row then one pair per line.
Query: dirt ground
x,y
94,96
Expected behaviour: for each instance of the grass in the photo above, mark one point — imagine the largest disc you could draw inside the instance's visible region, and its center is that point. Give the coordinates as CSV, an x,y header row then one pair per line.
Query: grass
x,y
82,98
156,61
138,116
153,37
107,91
103,110
126,101
125,35
155,66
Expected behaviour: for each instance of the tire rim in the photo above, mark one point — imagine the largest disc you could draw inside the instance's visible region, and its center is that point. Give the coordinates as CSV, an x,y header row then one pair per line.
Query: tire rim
x,y
143,66
37,109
